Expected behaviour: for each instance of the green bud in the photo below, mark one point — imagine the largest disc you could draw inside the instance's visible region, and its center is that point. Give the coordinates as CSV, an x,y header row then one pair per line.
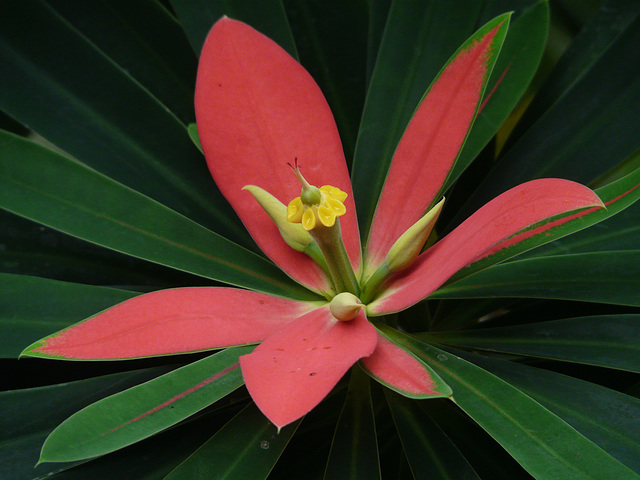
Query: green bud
x,y
407,248
345,306
310,195
293,234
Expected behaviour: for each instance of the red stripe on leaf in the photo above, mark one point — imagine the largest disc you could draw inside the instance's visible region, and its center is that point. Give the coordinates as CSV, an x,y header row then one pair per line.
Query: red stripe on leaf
x,y
430,146
174,399
497,221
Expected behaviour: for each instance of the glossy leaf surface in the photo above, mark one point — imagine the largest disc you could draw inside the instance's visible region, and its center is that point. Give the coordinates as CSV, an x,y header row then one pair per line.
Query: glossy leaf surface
x,y
607,277
541,442
247,447
89,204
139,412
429,451
611,341
354,450
27,419
134,140
599,413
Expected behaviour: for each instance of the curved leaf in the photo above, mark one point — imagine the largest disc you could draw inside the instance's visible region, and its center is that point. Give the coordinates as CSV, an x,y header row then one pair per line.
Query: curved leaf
x,y
607,277
546,446
247,447
503,221
30,414
611,341
419,37
354,450
600,414
514,69
97,209
139,412
94,110
429,451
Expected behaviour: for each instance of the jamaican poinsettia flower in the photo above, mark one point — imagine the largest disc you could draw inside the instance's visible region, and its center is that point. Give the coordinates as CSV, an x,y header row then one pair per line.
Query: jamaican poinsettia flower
x,y
259,110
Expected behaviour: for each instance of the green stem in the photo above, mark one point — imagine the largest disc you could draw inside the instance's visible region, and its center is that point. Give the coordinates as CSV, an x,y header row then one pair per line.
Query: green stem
x,y
329,239
371,286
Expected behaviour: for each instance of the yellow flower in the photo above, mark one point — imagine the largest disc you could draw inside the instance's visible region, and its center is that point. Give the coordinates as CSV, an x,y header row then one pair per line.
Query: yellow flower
x,y
329,206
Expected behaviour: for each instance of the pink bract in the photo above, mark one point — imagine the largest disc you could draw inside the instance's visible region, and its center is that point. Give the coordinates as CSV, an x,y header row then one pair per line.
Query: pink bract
x,y
258,109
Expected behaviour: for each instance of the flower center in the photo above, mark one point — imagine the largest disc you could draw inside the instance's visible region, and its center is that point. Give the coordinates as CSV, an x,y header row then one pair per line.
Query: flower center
x,y
316,206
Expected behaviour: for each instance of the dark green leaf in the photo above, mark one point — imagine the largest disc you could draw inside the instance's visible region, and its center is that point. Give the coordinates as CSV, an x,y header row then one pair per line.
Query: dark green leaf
x,y
606,417
607,340
541,442
31,308
145,40
354,451
139,412
69,92
607,277
321,37
245,448
95,208
267,16
29,415
430,452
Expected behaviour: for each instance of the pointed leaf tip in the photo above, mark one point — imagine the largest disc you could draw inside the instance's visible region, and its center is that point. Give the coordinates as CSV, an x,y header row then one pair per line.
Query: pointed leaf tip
x,y
292,371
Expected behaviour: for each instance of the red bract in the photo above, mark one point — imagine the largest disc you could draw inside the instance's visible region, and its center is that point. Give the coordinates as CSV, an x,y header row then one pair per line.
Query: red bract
x,y
257,110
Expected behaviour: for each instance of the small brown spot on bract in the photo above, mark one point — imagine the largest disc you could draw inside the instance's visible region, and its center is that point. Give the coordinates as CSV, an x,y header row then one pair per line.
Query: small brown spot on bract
x,y
280,349
261,302
219,84
312,374
326,348
314,348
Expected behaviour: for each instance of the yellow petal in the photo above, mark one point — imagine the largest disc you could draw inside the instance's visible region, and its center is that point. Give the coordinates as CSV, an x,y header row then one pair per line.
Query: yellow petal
x,y
334,192
308,219
295,210
327,216
335,206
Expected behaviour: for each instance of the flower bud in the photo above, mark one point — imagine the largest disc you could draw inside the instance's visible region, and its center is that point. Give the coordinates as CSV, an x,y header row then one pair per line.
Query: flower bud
x,y
406,249
345,306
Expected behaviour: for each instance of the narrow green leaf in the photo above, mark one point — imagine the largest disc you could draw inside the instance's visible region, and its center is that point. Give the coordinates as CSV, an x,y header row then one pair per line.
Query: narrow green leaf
x,y
606,417
512,73
95,208
144,39
192,128
354,451
25,316
431,454
321,36
267,16
65,89
29,415
141,411
247,447
418,39
546,446
607,277
611,341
